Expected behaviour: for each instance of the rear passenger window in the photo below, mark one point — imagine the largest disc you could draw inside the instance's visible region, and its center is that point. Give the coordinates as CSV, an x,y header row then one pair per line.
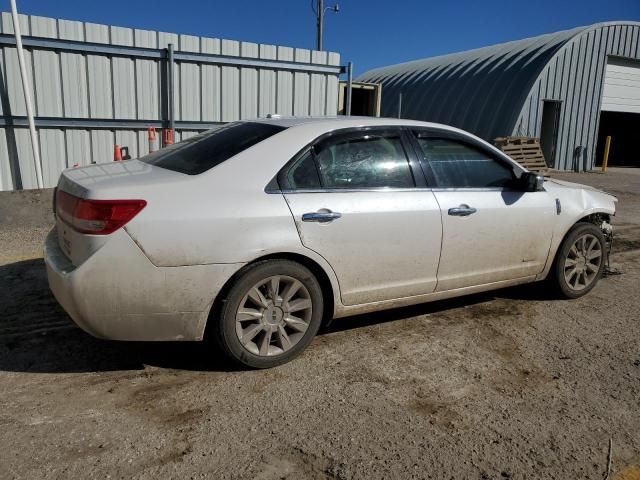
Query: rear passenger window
x,y
457,165
369,161
303,175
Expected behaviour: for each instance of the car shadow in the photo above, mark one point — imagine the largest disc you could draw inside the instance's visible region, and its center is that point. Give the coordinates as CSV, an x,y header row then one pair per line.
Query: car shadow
x,y
36,335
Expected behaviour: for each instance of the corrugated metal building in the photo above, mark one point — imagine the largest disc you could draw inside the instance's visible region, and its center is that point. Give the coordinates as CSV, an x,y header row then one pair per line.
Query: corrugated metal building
x,y
98,85
554,86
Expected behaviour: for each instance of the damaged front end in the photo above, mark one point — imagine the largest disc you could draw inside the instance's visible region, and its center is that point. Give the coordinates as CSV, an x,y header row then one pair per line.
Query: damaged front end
x,y
602,221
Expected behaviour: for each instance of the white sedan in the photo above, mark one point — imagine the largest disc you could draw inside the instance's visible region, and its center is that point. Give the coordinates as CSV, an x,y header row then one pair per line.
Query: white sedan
x,y
256,233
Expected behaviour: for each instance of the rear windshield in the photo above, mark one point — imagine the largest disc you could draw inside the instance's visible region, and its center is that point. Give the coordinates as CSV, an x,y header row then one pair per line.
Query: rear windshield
x,y
202,152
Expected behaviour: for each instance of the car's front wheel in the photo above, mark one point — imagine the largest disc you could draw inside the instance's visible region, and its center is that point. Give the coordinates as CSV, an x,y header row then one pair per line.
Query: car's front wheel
x,y
270,314
580,261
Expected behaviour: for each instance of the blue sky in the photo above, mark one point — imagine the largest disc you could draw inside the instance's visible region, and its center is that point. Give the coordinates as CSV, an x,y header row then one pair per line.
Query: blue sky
x,y
370,33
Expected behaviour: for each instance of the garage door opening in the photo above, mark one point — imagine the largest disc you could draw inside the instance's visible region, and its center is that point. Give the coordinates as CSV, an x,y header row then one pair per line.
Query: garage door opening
x,y
620,113
624,130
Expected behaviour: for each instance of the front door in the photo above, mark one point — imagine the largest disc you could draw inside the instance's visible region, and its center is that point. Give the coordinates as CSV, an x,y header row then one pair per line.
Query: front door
x,y
355,201
492,231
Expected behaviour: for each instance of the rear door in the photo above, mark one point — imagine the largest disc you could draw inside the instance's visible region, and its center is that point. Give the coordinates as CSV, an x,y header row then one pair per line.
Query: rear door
x,y
492,230
360,201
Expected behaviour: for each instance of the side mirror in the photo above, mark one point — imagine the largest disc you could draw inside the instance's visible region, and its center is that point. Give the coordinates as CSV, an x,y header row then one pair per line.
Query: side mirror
x,y
532,182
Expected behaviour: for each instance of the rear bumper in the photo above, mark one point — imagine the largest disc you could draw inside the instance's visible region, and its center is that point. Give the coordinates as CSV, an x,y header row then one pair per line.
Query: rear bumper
x,y
118,294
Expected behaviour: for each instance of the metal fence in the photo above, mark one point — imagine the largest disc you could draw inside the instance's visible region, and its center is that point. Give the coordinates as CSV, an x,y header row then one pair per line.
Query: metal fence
x,y
96,85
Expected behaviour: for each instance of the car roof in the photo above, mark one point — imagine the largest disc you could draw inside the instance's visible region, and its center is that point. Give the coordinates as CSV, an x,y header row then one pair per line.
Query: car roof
x,y
315,126
341,121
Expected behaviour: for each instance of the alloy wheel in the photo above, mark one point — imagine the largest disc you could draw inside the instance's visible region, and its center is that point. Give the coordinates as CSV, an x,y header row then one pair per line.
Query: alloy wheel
x,y
582,264
274,315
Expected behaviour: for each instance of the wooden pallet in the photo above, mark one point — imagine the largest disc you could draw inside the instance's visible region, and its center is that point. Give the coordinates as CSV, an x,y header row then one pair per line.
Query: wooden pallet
x,y
524,150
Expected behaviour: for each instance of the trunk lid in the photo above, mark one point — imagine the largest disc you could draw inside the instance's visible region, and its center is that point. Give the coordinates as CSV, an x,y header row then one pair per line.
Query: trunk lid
x,y
123,180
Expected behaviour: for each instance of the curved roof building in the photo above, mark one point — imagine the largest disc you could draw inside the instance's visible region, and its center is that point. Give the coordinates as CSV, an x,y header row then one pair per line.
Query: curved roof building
x,y
507,89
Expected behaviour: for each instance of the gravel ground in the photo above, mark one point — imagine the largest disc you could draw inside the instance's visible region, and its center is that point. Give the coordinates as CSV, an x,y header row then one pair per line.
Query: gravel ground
x,y
509,384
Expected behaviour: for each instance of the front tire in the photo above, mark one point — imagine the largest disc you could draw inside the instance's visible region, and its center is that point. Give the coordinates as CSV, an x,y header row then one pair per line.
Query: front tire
x,y
270,314
580,261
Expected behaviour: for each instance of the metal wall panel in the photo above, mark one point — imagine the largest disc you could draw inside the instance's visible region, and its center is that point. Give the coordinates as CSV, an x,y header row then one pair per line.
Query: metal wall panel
x,y
54,154
99,74
102,144
284,92
210,83
78,147
268,83
74,72
147,77
230,80
318,87
83,87
301,84
25,156
13,81
249,82
190,89
6,174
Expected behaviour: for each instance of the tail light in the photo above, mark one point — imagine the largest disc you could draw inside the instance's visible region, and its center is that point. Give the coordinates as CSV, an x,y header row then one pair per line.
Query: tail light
x,y
96,217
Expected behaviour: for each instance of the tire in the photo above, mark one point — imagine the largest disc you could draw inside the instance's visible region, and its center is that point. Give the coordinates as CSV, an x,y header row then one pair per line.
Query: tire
x,y
253,324
573,274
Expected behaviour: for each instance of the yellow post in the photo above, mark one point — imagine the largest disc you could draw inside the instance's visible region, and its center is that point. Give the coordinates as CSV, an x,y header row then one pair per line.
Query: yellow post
x,y
605,160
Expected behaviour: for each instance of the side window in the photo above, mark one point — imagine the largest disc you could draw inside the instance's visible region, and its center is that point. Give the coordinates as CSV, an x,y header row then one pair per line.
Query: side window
x,y
455,164
303,175
370,161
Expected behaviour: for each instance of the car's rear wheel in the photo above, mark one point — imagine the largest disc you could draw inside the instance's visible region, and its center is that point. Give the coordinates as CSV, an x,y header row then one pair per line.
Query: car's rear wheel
x,y
270,314
580,261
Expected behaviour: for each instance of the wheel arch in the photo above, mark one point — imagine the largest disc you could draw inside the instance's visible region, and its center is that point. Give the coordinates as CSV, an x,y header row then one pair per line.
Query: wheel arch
x,y
328,289
595,217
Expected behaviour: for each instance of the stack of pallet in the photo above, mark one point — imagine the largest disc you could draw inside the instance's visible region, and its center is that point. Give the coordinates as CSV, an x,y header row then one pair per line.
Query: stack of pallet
x,y
524,150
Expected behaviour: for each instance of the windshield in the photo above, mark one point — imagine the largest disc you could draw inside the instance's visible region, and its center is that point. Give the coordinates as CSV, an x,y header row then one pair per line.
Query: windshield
x,y
206,150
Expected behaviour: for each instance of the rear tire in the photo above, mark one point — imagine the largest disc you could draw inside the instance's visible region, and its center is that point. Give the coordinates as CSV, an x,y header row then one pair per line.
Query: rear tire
x,y
269,315
580,261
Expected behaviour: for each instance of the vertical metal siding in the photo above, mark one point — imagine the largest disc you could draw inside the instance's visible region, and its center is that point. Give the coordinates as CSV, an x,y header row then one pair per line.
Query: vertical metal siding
x,y
285,92
230,83
210,83
96,86
267,82
6,174
301,84
249,82
190,96
147,77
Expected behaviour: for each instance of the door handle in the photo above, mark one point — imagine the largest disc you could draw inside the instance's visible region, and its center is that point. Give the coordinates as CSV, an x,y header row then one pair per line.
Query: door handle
x,y
462,211
321,217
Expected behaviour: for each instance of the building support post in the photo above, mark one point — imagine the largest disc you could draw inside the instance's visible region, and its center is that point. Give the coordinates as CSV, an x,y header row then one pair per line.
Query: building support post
x,y
347,110
27,95
171,118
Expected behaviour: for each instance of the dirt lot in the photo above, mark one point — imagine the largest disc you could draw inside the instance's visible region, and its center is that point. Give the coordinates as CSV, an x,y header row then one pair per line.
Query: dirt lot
x,y
508,384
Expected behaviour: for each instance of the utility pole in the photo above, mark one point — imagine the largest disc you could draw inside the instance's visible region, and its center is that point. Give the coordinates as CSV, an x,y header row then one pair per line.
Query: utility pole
x,y
319,11
319,23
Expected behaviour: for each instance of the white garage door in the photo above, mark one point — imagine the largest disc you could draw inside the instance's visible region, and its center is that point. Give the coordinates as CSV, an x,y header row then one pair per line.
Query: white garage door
x,y
621,86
